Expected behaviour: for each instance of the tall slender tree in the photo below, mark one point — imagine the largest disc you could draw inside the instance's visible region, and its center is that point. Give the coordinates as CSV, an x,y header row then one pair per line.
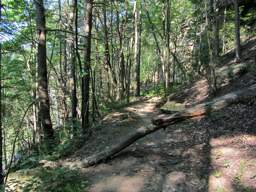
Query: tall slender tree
x,y
237,30
43,95
214,19
137,44
74,99
86,67
214,44
1,131
167,45
107,60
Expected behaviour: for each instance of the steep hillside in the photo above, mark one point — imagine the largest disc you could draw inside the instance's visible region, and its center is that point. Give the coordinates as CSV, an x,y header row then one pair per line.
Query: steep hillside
x,y
209,153
231,76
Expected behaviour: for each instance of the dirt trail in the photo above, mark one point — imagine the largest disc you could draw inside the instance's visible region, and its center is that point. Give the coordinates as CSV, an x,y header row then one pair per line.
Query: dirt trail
x,y
212,153
154,163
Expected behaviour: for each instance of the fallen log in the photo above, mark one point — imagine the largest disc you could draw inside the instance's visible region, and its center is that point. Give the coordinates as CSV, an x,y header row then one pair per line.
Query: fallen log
x,y
242,95
110,153
164,120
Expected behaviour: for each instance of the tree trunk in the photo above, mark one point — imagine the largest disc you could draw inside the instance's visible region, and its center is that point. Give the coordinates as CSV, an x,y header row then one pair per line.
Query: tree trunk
x,y
165,120
74,100
1,131
121,62
64,80
167,63
86,67
224,35
216,30
44,103
107,64
214,23
237,31
76,36
129,66
35,127
63,68
122,75
137,44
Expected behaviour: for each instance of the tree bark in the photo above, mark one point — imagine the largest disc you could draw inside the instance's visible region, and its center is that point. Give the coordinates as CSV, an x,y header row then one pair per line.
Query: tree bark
x,y
216,30
121,62
1,131
237,31
74,100
44,103
129,66
137,44
86,67
243,95
214,42
167,64
165,120
76,36
107,64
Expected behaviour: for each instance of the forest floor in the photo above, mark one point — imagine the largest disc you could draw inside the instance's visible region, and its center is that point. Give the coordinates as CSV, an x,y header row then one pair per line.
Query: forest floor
x,y
214,153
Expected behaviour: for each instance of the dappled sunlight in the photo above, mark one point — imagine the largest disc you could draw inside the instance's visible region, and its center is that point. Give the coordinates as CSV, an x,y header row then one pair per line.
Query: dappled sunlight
x,y
119,184
118,116
195,93
141,110
233,163
126,173
198,93
128,96
202,91
220,184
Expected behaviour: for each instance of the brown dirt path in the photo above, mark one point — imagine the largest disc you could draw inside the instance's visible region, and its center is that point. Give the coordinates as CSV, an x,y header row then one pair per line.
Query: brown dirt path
x,y
162,161
214,154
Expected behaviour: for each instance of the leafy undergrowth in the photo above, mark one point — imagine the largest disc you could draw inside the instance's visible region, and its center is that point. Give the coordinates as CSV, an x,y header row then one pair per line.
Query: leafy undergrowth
x,y
47,180
65,147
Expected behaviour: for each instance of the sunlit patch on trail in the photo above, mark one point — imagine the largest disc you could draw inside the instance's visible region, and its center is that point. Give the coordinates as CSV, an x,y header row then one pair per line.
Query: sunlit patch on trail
x,y
233,161
120,184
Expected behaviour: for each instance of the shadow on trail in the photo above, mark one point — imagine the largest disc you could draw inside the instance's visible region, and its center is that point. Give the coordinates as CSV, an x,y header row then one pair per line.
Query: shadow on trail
x,y
214,153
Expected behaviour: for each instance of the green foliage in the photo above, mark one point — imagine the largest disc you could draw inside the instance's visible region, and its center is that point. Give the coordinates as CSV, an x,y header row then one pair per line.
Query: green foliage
x,y
116,105
66,147
217,174
220,189
252,68
189,42
157,90
56,180
27,161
